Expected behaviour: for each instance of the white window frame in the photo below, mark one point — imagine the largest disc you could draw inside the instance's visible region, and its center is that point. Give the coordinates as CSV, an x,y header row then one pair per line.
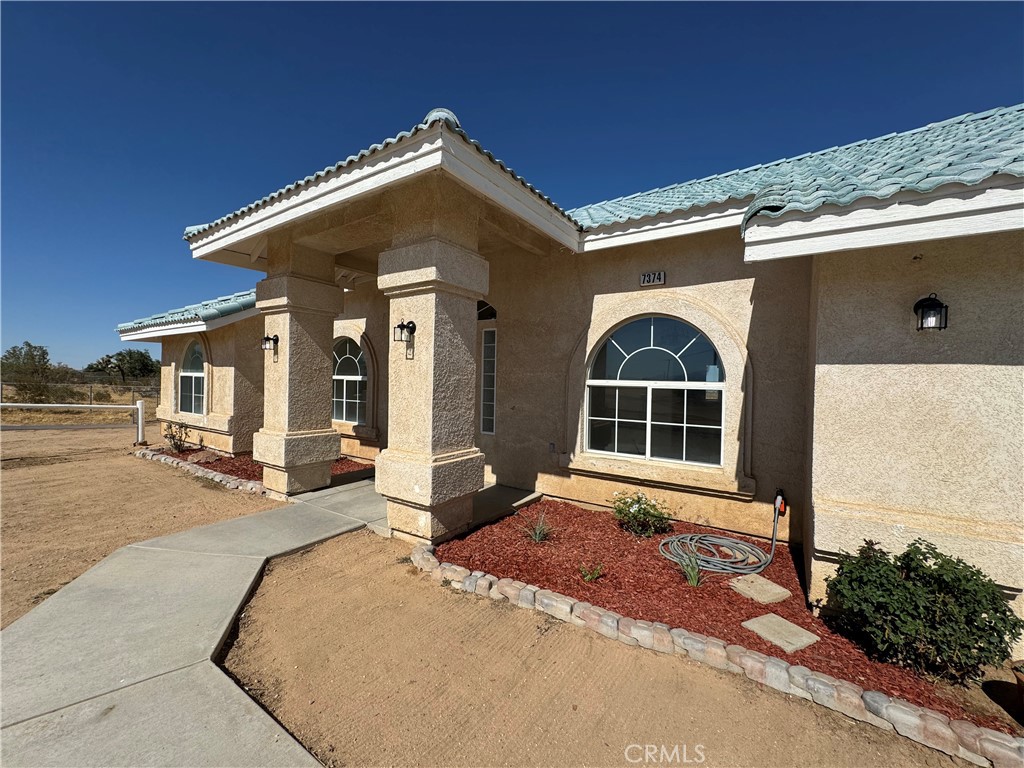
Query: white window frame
x,y
348,381
650,386
193,376
484,389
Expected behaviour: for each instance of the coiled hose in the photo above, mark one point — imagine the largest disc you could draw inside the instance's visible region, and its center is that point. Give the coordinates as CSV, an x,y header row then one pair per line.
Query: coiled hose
x,y
739,557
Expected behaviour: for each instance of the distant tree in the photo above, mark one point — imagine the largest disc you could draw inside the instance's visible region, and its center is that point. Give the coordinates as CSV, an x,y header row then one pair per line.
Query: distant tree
x,y
129,363
27,366
26,362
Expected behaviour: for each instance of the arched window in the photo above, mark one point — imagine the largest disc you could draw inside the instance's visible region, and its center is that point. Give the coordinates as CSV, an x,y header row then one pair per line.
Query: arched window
x,y
655,391
191,382
349,382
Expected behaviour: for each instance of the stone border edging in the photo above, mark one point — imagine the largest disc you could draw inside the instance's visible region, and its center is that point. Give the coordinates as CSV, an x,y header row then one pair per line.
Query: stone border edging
x,y
981,746
230,481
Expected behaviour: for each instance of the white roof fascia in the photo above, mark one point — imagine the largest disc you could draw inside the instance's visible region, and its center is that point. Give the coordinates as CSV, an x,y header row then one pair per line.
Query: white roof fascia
x,y
154,333
950,211
474,170
722,216
435,147
402,160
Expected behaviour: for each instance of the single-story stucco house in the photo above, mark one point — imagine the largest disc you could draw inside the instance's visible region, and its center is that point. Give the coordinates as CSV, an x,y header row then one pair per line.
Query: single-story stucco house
x,y
847,325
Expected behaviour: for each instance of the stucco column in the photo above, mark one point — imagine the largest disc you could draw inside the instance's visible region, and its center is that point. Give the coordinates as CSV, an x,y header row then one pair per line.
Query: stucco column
x,y
299,302
431,467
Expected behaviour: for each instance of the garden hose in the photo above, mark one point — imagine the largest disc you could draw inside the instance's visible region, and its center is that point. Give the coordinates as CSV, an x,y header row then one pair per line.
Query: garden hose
x,y
723,554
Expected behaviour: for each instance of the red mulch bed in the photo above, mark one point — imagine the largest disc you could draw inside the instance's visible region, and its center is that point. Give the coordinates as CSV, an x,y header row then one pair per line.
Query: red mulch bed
x,y
638,582
242,466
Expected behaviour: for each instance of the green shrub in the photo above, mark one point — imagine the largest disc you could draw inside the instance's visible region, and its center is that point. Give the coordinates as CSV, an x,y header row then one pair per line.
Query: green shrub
x,y
639,514
102,396
591,575
922,609
538,530
690,566
177,436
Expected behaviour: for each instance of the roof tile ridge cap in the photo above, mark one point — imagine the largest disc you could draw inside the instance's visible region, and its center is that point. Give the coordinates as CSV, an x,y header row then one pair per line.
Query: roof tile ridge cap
x,y
968,116
449,122
459,131
196,229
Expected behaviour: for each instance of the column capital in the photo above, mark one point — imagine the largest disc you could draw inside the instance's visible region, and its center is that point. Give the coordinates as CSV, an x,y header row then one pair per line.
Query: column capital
x,y
432,265
292,293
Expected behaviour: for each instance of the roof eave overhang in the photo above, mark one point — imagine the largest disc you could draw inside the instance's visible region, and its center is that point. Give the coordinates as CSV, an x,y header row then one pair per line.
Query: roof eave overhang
x,y
726,215
954,210
155,332
434,148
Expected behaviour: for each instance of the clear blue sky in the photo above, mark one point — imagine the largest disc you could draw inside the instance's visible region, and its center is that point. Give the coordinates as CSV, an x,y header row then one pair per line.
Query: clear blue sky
x,y
123,123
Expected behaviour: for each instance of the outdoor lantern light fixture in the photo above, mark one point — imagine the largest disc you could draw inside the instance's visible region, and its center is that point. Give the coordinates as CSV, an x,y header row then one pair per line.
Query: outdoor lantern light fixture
x,y
269,343
404,331
932,314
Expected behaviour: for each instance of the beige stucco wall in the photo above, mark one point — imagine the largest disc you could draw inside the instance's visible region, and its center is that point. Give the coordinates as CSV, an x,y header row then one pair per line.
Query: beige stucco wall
x,y
365,320
234,385
921,434
553,311
550,326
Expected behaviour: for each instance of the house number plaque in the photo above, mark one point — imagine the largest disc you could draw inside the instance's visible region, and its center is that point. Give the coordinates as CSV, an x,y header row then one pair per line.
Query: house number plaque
x,y
652,278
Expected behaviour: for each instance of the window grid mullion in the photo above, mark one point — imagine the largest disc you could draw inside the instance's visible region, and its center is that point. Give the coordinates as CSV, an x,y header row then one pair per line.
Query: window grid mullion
x,y
686,405
647,455
615,423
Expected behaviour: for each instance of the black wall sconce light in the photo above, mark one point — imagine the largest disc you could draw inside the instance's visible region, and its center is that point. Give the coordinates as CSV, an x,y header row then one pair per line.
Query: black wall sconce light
x,y
932,314
405,331
269,343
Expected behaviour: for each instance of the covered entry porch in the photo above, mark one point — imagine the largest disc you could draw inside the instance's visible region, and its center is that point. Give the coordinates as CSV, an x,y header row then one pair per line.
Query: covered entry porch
x,y
418,218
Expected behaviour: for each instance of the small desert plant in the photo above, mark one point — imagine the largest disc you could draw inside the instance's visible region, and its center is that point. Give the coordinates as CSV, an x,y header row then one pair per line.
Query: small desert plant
x,y
591,574
639,514
922,609
102,396
538,530
177,435
690,566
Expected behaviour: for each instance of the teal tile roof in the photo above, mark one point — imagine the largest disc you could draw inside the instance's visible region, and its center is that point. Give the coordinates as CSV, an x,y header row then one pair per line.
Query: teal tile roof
x,y
202,312
435,115
966,150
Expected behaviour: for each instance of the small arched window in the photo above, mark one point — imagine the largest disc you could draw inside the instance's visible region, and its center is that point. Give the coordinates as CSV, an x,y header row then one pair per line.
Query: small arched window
x,y
656,391
349,398
192,381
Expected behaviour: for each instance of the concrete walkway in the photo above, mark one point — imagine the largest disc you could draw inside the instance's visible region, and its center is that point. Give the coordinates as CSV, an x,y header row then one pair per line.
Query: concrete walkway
x,y
116,668
358,500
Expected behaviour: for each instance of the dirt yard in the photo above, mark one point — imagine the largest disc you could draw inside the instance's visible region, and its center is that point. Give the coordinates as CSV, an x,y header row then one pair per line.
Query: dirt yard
x,y
71,497
368,662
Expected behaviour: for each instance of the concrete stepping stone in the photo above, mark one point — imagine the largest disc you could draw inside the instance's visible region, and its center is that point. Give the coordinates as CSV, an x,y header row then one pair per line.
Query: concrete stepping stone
x,y
759,589
785,634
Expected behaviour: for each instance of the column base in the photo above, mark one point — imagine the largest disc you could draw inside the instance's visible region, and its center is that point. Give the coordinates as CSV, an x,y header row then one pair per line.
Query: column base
x,y
296,462
430,524
309,477
426,482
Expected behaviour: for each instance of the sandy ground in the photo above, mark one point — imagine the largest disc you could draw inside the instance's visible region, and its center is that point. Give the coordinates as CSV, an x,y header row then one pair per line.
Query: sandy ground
x,y
368,662
68,498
